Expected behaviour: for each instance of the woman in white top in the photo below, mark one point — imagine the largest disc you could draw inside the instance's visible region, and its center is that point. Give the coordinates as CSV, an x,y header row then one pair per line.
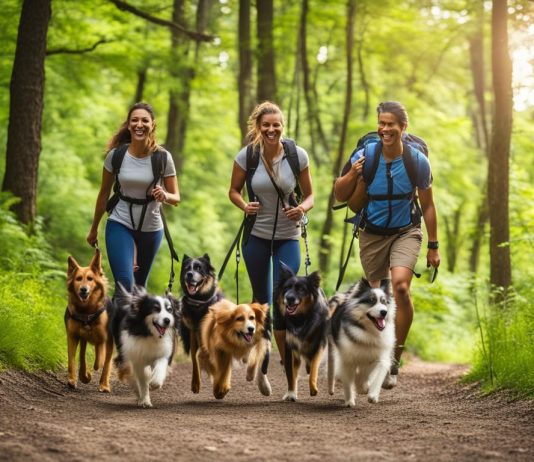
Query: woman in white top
x,y
274,238
134,229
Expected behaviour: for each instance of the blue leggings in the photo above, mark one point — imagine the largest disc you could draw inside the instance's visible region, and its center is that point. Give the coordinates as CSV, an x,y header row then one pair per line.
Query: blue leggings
x,y
120,242
262,270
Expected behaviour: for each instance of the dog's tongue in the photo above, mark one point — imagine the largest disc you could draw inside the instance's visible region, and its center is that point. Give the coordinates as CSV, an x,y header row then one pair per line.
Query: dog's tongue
x,y
192,289
160,329
380,323
248,337
291,308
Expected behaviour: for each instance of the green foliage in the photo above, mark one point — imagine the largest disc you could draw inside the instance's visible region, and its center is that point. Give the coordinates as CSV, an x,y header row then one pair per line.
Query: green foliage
x,y
505,356
33,297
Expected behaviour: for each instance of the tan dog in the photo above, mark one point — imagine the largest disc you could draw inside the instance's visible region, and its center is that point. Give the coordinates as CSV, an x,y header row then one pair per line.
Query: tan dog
x,y
230,331
86,320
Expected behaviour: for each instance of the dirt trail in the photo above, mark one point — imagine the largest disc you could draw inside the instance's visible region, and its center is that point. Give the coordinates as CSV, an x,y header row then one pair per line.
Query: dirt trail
x,y
429,416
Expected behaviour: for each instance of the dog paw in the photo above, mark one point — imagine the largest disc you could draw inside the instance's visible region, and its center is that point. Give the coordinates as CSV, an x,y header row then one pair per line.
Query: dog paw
x,y
372,399
72,384
104,389
313,391
85,378
195,388
220,393
290,396
350,403
250,374
362,389
144,403
389,382
263,385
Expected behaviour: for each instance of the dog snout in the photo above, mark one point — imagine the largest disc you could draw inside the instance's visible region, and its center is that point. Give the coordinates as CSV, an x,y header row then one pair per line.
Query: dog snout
x,y
166,321
250,329
383,313
189,275
84,290
290,299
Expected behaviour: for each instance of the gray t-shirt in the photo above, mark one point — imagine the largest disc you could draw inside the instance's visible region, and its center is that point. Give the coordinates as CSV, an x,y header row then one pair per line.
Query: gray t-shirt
x,y
135,177
268,198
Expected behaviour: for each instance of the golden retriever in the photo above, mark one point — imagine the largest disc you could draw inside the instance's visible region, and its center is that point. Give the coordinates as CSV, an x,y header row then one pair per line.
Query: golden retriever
x,y
230,331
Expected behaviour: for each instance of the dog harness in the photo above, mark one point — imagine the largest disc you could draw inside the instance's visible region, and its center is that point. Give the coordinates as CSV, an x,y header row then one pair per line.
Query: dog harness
x,y
86,319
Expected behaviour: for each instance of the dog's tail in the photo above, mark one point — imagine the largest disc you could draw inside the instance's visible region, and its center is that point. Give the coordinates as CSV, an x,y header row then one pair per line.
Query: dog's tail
x,y
331,366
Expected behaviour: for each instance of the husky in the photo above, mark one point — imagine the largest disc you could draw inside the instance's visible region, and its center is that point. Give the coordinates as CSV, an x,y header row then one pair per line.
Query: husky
x,y
363,334
144,330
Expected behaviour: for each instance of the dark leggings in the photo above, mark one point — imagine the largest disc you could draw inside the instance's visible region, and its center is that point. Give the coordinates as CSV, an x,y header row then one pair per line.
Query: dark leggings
x,y
263,271
120,244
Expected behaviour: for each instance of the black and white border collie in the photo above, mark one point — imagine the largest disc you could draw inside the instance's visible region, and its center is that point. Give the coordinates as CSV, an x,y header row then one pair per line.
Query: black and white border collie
x,y
144,330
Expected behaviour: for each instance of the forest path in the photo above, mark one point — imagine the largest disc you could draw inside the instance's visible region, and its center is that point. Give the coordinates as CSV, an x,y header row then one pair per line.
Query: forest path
x,y
429,416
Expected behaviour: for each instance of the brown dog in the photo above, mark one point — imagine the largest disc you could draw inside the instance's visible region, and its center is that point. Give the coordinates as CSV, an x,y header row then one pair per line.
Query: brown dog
x,y
86,320
230,331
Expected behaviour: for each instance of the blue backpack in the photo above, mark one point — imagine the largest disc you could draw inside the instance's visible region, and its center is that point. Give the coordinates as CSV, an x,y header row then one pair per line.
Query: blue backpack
x,y
373,146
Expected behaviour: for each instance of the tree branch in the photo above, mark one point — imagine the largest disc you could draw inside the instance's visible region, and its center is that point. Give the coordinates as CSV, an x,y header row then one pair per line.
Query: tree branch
x,y
198,36
67,51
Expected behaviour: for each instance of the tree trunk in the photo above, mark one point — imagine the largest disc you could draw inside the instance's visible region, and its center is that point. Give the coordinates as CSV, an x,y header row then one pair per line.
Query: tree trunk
x,y
26,108
141,80
325,244
498,165
182,72
266,72
244,80
480,125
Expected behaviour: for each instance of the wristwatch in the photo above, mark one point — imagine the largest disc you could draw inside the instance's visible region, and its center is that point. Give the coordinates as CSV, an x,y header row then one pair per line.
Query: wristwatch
x,y
433,245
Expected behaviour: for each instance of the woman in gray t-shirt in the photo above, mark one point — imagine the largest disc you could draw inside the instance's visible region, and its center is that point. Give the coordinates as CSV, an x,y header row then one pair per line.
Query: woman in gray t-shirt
x,y
131,232
275,235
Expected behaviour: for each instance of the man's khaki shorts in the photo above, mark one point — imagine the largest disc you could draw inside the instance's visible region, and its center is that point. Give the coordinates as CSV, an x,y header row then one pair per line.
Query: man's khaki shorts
x,y
379,254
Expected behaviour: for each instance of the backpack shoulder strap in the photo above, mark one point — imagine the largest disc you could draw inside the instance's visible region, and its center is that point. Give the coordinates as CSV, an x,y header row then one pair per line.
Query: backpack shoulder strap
x,y
118,157
252,162
372,158
159,164
290,150
410,163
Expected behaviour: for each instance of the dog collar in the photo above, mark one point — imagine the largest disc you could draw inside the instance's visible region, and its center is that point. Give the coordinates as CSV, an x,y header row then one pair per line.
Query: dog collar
x,y
196,302
86,319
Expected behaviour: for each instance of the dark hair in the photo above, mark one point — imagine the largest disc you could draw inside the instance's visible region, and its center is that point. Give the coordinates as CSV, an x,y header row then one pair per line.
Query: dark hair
x,y
395,108
123,134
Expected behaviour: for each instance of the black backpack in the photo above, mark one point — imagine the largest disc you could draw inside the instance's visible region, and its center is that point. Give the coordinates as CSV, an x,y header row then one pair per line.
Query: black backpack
x,y
159,164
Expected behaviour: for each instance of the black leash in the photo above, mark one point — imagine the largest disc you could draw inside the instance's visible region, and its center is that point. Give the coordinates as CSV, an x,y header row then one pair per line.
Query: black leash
x,y
235,244
356,220
174,255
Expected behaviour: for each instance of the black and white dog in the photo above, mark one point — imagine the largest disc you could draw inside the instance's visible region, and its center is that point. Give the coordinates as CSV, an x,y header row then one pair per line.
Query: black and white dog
x,y
144,330
363,333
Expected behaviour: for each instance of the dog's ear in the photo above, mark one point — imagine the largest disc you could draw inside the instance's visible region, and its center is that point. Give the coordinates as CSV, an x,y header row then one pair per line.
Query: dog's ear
x,y
386,287
138,293
122,296
73,265
285,272
360,287
314,280
223,311
96,262
260,311
185,260
207,258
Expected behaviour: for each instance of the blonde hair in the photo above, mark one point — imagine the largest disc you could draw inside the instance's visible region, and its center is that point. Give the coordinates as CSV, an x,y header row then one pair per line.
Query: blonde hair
x,y
123,135
254,121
